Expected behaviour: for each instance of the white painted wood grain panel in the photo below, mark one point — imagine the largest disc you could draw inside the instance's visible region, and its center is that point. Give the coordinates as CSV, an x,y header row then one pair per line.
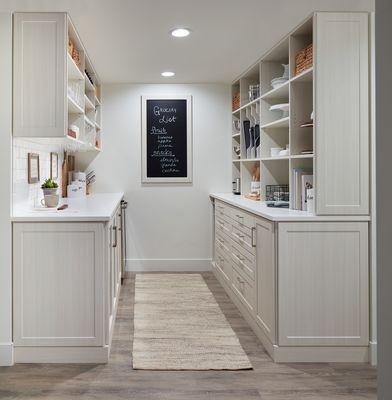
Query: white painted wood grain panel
x,y
58,284
342,113
40,41
266,281
323,292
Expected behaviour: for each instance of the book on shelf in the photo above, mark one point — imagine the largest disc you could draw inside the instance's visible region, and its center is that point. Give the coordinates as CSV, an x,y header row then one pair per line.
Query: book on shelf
x,y
302,180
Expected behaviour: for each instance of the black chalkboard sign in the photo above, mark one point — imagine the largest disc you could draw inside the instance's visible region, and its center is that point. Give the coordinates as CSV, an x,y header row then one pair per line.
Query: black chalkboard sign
x,y
166,139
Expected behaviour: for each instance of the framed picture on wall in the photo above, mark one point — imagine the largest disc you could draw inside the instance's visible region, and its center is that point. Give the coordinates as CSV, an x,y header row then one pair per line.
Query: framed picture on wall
x,y
33,168
54,165
167,139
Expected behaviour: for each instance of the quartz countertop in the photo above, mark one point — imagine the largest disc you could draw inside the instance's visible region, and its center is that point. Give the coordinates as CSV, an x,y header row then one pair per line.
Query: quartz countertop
x,y
94,207
280,214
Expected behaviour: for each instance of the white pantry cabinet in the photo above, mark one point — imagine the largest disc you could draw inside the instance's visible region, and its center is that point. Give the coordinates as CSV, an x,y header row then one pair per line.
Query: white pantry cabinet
x,y
66,286
55,86
323,284
302,286
342,113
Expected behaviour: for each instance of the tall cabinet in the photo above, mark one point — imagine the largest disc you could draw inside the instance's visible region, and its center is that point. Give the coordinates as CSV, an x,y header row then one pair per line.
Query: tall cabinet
x,y
325,123
57,93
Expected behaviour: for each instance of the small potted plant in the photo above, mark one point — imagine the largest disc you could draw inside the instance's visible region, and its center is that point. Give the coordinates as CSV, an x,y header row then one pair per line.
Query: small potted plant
x,y
49,187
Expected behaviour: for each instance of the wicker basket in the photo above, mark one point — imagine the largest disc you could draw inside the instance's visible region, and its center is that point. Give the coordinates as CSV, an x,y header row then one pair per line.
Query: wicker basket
x,y
304,59
236,102
76,57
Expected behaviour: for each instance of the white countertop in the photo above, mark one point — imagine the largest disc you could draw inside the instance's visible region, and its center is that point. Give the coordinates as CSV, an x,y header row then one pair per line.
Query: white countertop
x,y
94,207
280,214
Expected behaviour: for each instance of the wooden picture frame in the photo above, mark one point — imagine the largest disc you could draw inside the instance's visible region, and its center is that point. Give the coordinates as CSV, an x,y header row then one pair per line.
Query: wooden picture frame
x,y
185,158
33,168
54,165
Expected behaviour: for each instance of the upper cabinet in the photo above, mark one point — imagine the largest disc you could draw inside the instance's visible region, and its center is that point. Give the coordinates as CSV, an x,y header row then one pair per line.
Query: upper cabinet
x,y
342,113
57,93
300,118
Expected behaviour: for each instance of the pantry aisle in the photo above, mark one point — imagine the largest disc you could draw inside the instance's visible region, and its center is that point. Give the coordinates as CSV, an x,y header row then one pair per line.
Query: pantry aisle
x,y
117,379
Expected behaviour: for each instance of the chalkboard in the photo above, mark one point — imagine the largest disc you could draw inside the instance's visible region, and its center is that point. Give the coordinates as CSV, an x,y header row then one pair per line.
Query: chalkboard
x,y
166,139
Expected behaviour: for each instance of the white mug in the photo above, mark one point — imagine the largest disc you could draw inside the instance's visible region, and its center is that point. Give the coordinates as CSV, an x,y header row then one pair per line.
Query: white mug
x,y
50,200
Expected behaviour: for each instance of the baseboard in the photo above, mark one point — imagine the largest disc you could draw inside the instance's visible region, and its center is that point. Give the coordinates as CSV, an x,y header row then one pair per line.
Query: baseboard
x,y
168,264
6,354
69,354
373,353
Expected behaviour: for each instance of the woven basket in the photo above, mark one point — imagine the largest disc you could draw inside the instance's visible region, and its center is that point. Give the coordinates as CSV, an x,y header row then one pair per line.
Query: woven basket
x,y
236,102
304,59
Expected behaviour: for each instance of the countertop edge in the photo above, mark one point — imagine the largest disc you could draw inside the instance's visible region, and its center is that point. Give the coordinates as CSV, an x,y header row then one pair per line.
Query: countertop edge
x,y
106,216
225,197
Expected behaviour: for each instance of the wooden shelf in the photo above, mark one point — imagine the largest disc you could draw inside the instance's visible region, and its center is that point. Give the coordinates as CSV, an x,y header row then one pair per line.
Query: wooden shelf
x,y
236,135
305,76
280,123
303,156
73,107
88,120
88,103
74,72
89,85
275,158
281,92
236,160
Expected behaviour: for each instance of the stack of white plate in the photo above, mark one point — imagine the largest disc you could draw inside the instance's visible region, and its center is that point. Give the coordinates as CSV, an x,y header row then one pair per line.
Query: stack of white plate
x,y
276,82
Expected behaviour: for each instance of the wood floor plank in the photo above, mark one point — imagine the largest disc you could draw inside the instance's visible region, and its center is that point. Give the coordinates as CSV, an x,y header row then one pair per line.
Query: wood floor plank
x,y
117,379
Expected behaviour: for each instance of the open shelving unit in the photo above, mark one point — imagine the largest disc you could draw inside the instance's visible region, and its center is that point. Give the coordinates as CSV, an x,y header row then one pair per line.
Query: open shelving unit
x,y
276,128
84,97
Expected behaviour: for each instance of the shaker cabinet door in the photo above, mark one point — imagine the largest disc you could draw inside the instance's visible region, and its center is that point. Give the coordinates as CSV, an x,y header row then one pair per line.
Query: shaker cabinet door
x,y
40,63
58,277
323,284
342,113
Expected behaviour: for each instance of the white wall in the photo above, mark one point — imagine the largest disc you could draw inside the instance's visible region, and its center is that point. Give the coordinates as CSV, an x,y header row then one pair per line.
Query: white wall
x,y
6,350
169,226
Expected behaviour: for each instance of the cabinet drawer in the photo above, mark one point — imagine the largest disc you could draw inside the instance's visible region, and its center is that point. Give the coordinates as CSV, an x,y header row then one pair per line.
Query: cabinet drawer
x,y
243,288
222,209
222,225
222,242
224,264
242,239
242,218
242,264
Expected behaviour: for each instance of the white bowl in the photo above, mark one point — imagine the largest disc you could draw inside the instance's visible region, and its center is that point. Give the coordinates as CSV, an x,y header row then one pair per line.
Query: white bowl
x,y
275,151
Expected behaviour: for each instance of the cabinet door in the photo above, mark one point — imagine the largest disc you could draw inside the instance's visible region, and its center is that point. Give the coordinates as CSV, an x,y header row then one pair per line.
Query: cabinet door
x,y
323,284
58,276
342,113
265,275
40,74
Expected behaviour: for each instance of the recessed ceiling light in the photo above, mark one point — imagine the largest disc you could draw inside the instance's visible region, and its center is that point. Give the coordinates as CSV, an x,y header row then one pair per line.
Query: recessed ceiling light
x,y
180,32
167,74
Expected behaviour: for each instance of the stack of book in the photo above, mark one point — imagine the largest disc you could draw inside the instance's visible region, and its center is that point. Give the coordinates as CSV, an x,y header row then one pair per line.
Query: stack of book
x,y
302,181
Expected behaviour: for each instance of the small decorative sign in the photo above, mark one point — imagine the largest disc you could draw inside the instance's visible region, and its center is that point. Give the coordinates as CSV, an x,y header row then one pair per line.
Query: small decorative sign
x,y
166,139
54,165
33,168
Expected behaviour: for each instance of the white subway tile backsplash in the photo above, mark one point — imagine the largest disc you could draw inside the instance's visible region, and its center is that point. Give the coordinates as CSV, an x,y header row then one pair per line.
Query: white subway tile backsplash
x,y
22,190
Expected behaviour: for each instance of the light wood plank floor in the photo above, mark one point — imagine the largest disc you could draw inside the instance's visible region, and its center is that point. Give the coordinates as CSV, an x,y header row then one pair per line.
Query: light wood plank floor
x,y
117,380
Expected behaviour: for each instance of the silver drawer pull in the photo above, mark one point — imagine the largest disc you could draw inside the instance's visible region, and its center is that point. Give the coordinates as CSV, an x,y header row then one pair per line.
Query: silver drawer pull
x,y
220,240
253,236
239,216
241,236
240,258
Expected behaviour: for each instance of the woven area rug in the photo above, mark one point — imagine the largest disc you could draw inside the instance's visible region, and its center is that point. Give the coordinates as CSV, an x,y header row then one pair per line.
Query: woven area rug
x,y
179,326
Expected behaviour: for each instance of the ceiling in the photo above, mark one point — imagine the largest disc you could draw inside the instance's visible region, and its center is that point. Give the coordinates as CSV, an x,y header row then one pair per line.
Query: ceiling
x,y
129,41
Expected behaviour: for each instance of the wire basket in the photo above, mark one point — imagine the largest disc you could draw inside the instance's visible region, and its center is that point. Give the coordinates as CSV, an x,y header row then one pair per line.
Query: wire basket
x,y
277,193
